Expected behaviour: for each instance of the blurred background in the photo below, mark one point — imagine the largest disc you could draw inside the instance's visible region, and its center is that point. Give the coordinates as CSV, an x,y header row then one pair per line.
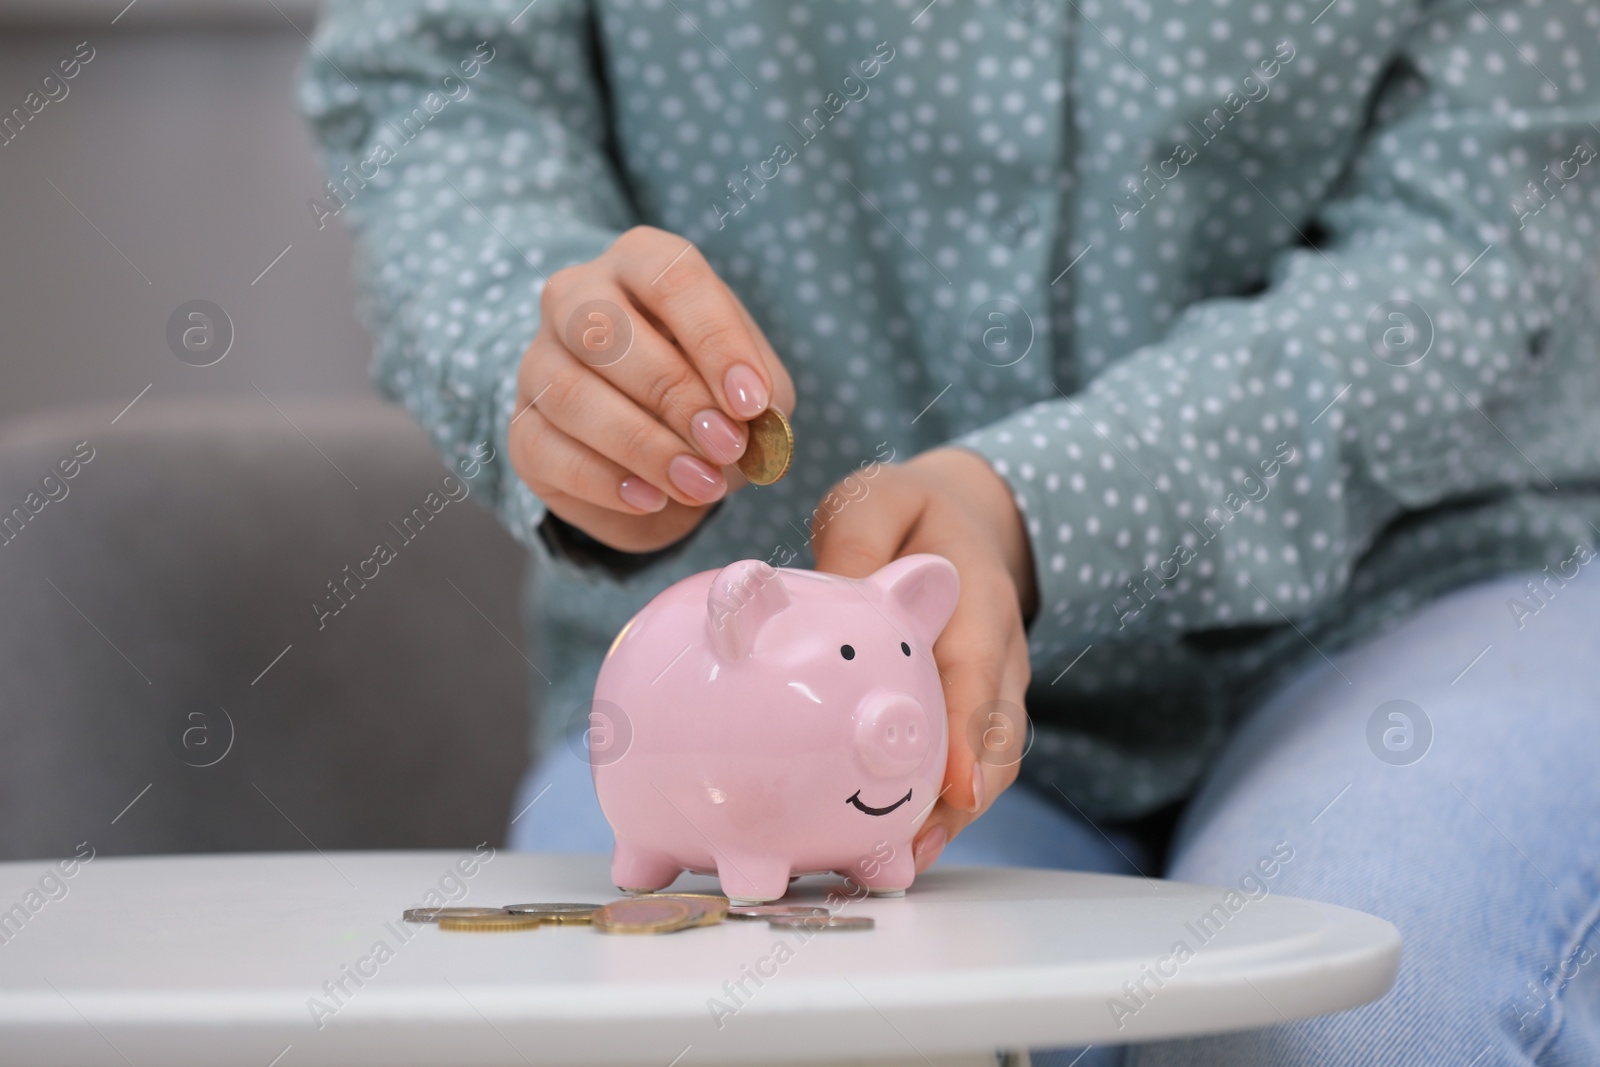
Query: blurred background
x,y
165,685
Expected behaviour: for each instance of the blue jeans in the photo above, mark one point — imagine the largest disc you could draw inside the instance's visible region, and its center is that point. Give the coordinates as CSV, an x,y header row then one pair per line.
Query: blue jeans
x,y
1444,774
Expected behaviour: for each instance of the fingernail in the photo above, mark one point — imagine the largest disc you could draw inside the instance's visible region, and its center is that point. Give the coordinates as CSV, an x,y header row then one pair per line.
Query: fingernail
x,y
977,786
929,847
641,494
717,436
746,395
696,479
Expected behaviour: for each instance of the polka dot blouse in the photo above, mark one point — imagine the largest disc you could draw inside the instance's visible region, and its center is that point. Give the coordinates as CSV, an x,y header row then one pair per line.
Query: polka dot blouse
x,y
1277,318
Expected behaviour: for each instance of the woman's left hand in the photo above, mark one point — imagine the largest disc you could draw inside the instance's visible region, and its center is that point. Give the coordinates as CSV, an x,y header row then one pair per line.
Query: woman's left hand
x,y
951,502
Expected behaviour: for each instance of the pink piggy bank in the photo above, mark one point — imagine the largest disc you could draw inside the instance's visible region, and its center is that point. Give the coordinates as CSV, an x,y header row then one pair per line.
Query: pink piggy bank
x,y
762,723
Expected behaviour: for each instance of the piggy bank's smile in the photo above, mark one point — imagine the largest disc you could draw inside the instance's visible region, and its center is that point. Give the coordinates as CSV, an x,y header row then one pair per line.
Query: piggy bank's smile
x,y
855,799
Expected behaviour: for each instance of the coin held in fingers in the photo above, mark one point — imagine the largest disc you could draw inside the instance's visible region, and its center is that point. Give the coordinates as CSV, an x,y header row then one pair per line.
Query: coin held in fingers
x,y
766,458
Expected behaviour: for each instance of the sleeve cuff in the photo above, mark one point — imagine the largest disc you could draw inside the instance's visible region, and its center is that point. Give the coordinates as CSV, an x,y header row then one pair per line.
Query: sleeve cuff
x,y
1091,517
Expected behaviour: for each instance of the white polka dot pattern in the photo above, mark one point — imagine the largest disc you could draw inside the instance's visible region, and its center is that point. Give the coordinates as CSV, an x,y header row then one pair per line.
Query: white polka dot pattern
x,y
1265,312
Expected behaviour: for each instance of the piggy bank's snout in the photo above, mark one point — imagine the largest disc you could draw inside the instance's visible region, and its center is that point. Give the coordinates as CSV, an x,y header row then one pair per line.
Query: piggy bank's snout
x,y
893,734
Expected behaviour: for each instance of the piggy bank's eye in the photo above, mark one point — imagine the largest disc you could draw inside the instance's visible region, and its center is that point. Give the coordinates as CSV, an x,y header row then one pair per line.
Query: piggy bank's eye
x,y
905,648
847,652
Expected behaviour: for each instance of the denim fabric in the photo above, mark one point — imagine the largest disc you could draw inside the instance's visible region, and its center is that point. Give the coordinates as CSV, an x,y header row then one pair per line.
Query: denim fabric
x,y
1471,823
1485,851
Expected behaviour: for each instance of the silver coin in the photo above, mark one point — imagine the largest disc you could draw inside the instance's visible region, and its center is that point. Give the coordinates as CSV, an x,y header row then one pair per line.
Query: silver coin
x,y
559,914
809,922
761,912
433,915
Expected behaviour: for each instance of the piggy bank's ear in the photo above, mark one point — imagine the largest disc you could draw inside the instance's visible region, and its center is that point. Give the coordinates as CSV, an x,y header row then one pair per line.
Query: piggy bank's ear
x,y
924,588
743,597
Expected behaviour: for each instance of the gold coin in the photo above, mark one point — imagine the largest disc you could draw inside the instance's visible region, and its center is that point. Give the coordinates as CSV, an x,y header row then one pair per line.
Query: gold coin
x,y
430,915
766,458
490,923
646,915
709,908
572,914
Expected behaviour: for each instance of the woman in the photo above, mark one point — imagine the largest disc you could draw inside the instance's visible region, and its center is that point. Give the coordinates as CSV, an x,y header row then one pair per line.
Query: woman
x,y
1213,344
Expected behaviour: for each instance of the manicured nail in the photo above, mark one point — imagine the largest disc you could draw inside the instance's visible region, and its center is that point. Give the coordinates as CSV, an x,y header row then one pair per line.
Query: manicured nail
x,y
746,395
641,494
929,847
717,436
977,786
696,479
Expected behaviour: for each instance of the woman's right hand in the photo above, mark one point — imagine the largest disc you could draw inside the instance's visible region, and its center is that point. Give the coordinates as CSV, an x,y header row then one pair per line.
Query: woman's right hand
x,y
633,397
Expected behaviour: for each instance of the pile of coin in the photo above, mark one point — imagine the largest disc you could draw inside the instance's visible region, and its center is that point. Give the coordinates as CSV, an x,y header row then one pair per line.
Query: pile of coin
x,y
650,913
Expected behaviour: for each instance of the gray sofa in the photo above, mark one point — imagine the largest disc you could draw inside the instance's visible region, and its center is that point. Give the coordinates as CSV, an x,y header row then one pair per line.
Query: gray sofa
x,y
166,684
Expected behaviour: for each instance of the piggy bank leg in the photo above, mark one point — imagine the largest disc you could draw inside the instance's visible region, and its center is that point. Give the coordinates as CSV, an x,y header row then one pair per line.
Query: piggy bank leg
x,y
885,878
635,869
752,879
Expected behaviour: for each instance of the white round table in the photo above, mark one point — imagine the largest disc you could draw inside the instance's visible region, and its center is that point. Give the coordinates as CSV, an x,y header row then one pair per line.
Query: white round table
x,y
273,960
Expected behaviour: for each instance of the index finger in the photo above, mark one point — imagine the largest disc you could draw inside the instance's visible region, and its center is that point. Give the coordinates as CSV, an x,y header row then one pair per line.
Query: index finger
x,y
679,287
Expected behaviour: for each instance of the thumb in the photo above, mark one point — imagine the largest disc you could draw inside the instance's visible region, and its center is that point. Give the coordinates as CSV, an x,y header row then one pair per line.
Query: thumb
x,y
854,537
